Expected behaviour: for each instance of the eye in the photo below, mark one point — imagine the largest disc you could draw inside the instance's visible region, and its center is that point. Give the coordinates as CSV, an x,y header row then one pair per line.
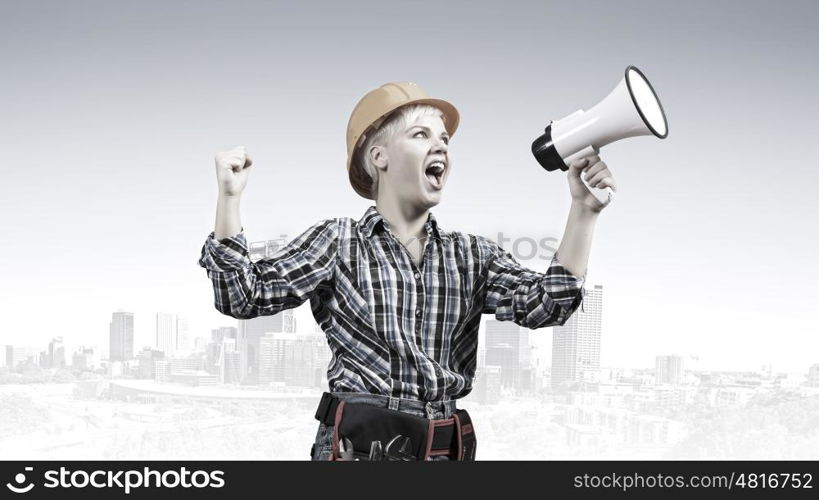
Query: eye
x,y
446,138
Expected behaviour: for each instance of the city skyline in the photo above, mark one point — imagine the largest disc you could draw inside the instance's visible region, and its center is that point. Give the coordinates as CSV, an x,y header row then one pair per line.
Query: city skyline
x,y
670,411
265,370
667,366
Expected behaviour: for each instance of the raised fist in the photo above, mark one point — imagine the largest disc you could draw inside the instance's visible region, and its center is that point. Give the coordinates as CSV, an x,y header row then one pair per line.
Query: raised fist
x,y
232,170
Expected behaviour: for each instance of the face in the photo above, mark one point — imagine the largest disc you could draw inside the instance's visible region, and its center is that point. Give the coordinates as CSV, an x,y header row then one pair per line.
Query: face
x,y
416,163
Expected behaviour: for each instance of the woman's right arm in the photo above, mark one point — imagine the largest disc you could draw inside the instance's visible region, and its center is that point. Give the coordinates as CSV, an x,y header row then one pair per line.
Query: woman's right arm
x,y
232,171
245,289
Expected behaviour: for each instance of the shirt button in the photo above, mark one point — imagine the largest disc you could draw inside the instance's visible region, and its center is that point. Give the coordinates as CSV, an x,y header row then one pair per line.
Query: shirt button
x,y
417,312
417,276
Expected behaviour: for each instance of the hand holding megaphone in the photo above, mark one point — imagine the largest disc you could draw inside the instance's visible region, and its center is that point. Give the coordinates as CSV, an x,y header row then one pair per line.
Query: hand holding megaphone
x,y
588,175
631,109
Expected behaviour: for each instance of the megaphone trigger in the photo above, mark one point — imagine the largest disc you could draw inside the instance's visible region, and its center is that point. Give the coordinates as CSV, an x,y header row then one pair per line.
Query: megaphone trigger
x,y
604,196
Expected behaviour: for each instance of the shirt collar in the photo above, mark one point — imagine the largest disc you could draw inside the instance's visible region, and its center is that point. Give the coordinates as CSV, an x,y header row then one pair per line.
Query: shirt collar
x,y
372,219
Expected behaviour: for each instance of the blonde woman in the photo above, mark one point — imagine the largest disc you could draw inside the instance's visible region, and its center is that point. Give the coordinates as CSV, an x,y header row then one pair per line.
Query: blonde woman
x,y
399,297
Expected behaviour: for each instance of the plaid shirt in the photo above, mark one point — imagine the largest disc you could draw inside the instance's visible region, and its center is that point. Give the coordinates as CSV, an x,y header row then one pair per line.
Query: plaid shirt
x,y
394,328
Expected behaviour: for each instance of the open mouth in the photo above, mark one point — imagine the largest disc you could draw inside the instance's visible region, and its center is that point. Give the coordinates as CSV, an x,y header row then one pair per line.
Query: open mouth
x,y
435,174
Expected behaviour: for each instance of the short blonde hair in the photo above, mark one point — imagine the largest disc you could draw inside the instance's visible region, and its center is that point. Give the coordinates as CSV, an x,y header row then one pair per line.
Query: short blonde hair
x,y
395,123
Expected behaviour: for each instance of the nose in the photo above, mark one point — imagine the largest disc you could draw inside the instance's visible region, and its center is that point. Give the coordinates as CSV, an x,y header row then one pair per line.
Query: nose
x,y
440,147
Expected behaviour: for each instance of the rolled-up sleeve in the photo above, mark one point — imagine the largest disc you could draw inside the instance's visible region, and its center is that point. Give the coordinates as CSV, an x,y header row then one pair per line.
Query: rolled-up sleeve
x,y
244,289
528,298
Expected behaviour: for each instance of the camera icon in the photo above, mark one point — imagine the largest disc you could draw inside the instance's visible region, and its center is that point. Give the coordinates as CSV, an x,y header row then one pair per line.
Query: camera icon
x,y
20,478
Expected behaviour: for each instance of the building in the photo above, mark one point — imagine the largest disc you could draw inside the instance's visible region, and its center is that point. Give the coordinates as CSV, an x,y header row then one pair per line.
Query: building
x,y
597,426
321,360
146,358
166,333
85,359
306,361
172,333
507,347
249,335
229,370
223,332
189,363
576,346
222,358
183,340
162,369
813,376
55,357
193,377
272,356
293,360
668,370
15,356
487,385
121,336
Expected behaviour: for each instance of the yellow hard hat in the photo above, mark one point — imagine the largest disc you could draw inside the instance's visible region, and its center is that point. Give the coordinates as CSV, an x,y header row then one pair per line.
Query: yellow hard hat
x,y
373,109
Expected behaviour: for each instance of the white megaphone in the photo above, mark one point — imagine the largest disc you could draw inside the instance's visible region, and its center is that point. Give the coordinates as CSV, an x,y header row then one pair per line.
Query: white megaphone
x,y
631,109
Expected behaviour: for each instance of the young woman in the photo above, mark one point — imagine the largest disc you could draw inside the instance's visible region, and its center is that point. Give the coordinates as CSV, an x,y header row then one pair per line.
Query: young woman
x,y
399,298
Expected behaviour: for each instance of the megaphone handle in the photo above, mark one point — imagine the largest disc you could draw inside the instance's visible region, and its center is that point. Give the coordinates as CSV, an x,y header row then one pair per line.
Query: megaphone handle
x,y
605,195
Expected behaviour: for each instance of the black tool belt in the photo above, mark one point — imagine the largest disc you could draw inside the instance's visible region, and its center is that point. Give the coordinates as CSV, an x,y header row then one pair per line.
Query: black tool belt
x,y
395,435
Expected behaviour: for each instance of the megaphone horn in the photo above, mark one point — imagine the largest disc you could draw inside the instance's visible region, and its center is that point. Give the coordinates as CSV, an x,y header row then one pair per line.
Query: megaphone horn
x,y
631,109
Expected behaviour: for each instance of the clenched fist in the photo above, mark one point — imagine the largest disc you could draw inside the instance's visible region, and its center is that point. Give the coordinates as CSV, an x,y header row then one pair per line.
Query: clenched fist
x,y
232,170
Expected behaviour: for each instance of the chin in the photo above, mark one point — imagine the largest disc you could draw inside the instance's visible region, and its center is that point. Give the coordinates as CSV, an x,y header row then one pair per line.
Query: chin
x,y
433,199
424,201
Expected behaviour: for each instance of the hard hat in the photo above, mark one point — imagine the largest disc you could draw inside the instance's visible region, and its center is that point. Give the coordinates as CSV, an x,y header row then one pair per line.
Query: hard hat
x,y
373,109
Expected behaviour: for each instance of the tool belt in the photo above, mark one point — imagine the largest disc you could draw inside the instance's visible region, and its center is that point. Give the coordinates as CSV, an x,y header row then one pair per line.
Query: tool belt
x,y
364,425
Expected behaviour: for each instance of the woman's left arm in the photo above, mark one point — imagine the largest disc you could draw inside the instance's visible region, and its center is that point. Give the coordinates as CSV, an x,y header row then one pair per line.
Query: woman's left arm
x,y
575,246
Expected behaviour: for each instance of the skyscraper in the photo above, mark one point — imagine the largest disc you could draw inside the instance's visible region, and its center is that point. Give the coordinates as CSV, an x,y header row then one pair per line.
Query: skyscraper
x,y
576,346
56,353
183,341
250,333
229,370
668,370
166,333
222,355
273,347
507,346
121,336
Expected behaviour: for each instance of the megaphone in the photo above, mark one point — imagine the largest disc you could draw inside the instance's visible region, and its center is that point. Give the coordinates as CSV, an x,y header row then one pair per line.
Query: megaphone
x,y
631,109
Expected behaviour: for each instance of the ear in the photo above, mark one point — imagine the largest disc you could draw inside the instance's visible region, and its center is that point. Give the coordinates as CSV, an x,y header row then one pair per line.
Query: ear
x,y
378,157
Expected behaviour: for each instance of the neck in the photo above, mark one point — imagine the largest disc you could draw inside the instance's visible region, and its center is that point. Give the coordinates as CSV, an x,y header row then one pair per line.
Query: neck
x,y
406,222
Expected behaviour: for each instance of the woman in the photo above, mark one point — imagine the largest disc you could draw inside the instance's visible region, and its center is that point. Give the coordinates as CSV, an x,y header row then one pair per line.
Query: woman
x,y
399,298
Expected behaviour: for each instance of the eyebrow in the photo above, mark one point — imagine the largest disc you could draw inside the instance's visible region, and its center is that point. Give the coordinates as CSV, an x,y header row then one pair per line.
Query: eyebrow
x,y
443,134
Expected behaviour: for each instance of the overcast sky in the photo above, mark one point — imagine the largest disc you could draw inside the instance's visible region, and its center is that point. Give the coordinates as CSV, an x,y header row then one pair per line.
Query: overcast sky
x,y
112,113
